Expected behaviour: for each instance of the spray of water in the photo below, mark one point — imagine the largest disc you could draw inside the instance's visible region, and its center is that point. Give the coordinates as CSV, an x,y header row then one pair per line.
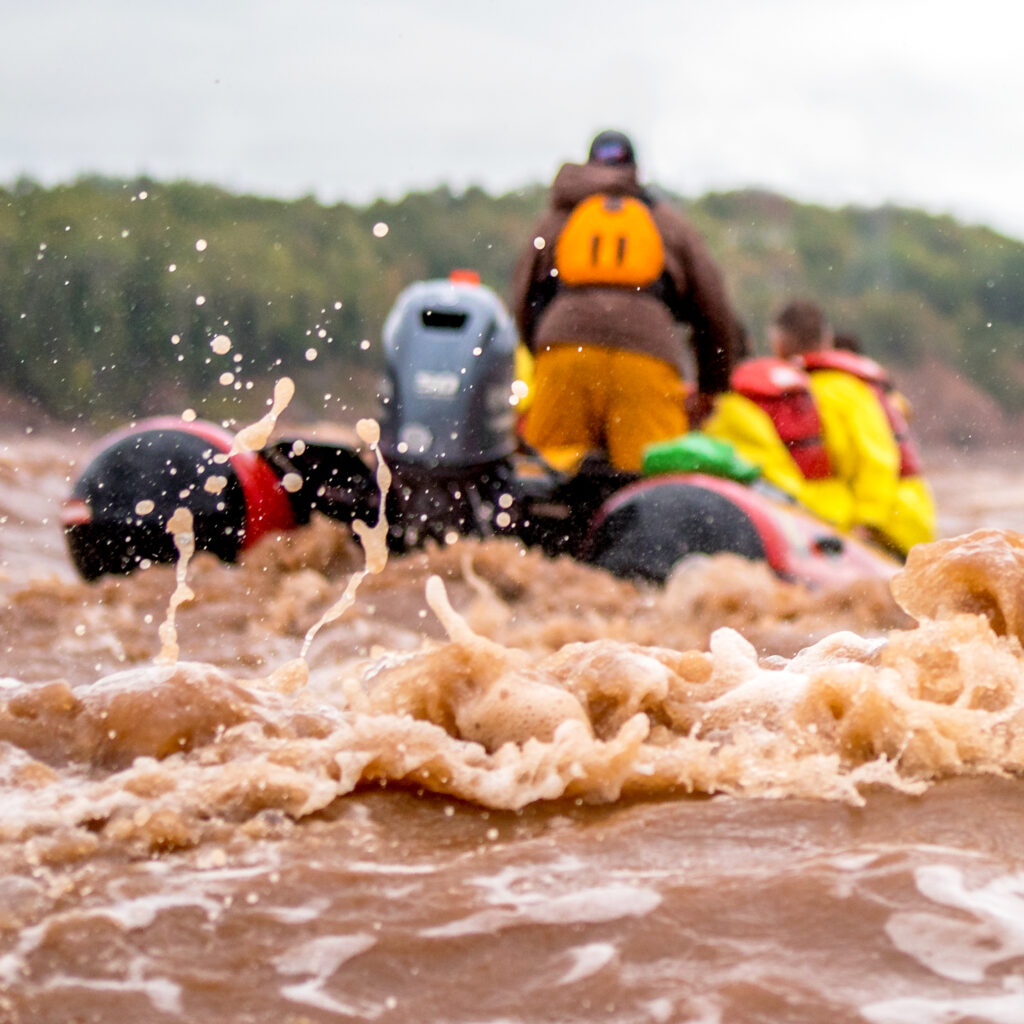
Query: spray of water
x,y
374,539
180,526
254,437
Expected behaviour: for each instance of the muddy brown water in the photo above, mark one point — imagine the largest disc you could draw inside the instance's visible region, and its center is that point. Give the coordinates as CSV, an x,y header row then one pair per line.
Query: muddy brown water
x,y
562,798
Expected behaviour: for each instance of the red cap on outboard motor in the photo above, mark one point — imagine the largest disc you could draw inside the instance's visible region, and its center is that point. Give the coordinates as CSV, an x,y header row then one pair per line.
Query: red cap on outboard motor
x,y
117,514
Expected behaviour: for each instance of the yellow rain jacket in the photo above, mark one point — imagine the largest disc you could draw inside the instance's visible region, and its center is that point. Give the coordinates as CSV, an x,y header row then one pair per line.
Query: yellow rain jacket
x,y
866,455
749,429
860,444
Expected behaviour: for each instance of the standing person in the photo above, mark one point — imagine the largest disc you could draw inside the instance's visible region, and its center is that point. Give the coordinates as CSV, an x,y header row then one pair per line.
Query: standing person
x,y
866,436
599,296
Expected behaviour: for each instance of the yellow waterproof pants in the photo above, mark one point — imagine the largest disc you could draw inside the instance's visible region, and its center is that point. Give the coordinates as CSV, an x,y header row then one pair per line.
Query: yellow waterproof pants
x,y
590,398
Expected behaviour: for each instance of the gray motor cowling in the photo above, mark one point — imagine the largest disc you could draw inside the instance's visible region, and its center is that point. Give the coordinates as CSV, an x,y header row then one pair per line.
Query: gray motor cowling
x,y
449,348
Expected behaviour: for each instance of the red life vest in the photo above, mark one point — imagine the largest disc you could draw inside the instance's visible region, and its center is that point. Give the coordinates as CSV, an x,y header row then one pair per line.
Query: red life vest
x,y
875,375
783,391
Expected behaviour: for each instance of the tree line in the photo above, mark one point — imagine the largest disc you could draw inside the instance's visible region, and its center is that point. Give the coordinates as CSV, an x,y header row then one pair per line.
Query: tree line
x,y
126,298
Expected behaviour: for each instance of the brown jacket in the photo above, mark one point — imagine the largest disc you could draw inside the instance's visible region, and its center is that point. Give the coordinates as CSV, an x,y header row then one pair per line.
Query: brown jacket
x,y
623,318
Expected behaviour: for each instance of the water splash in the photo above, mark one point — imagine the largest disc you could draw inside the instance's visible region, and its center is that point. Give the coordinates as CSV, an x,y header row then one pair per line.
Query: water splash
x,y
374,539
254,437
180,526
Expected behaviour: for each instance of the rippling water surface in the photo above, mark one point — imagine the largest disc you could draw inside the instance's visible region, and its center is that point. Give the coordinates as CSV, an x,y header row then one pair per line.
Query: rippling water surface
x,y
502,788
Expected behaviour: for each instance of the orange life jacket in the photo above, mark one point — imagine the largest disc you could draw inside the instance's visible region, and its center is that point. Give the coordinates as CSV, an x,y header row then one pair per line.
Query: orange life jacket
x,y
610,241
783,391
877,377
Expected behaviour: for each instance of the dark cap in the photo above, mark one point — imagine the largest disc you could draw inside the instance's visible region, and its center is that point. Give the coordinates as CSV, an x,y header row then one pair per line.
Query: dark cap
x,y
611,148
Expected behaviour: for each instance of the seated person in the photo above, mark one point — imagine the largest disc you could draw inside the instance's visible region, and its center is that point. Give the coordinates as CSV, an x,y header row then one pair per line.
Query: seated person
x,y
865,433
770,418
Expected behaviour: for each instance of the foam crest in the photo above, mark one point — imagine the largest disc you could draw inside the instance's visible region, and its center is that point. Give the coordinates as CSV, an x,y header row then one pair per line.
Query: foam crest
x,y
979,574
170,749
147,712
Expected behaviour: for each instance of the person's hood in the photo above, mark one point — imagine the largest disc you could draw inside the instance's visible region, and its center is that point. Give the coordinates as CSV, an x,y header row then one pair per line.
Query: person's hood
x,y
574,182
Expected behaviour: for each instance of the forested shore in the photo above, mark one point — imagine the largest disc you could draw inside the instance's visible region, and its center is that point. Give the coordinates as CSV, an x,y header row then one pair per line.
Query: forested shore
x,y
112,292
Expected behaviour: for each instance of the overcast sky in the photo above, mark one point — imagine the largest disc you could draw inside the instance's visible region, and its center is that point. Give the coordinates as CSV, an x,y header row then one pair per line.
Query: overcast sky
x,y
837,101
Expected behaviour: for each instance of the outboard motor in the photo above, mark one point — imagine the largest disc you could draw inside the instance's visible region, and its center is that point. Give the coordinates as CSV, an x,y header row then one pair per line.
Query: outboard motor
x,y
448,422
448,432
